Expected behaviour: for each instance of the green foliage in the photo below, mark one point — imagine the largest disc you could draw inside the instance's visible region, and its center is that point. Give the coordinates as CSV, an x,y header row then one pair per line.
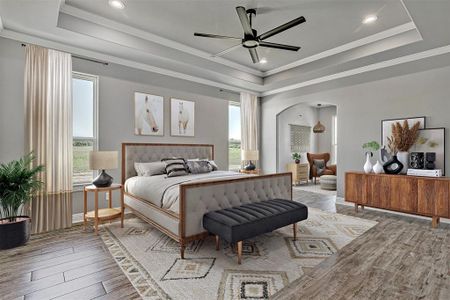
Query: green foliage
x,y
371,146
17,185
296,156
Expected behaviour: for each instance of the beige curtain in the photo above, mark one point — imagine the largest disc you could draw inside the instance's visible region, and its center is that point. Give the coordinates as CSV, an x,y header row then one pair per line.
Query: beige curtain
x,y
249,121
48,106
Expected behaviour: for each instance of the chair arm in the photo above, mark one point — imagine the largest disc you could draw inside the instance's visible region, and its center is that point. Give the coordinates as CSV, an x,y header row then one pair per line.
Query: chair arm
x,y
333,168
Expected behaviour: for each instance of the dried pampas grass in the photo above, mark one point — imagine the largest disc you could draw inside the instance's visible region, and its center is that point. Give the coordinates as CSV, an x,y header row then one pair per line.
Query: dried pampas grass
x,y
403,137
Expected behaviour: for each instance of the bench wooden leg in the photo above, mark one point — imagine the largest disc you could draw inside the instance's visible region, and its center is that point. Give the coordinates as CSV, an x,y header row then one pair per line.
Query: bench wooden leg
x,y
294,227
239,251
217,243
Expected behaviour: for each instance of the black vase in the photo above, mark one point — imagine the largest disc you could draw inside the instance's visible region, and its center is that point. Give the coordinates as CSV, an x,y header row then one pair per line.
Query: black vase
x,y
393,166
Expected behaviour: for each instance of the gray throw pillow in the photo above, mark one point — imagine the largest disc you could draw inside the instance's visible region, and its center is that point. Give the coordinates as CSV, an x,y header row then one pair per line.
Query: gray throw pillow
x,y
175,166
199,166
320,166
150,169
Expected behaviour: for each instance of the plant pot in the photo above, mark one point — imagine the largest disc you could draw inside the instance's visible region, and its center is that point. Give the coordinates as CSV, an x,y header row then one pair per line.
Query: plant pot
x,y
403,157
14,234
297,161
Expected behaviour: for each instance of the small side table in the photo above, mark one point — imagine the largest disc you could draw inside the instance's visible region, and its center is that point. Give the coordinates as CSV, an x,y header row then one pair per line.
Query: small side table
x,y
103,214
256,171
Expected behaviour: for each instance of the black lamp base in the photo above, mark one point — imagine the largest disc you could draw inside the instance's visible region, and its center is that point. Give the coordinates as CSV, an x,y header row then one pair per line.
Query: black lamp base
x,y
103,180
250,166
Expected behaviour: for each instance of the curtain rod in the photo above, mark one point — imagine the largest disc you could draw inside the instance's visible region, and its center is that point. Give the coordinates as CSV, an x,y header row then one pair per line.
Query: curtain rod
x,y
85,58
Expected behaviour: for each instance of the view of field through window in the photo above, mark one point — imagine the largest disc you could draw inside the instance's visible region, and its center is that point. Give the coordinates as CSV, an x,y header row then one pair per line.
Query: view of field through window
x,y
234,137
84,139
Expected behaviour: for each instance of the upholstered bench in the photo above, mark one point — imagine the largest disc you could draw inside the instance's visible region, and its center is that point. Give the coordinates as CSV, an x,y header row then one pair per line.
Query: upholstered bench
x,y
246,221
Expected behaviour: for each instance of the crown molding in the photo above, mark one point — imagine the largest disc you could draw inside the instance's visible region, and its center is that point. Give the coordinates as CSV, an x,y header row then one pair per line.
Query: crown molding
x,y
352,45
372,67
26,38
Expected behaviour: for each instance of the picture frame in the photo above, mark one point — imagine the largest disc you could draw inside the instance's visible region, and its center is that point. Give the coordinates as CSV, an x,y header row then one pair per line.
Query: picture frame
x,y
432,140
386,126
148,114
182,117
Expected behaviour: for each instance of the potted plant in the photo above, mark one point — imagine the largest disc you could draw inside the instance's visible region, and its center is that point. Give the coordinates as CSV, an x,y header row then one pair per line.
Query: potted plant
x,y
369,147
296,157
18,183
403,138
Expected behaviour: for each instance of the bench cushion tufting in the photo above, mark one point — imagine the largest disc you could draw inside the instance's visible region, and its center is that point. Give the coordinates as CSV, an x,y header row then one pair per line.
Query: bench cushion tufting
x,y
249,220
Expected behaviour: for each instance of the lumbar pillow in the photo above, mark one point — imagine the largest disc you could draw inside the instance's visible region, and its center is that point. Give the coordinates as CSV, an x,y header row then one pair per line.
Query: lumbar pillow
x,y
150,169
199,166
320,165
175,166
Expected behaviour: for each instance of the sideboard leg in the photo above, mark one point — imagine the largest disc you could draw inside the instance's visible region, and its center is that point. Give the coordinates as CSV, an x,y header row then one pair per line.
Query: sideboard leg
x,y
435,222
362,207
356,207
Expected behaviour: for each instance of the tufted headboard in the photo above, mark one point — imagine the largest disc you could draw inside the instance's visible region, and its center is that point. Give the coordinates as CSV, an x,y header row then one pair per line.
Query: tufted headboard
x,y
149,152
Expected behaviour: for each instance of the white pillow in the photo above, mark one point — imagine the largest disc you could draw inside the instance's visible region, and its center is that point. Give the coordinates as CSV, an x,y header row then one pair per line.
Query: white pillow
x,y
150,169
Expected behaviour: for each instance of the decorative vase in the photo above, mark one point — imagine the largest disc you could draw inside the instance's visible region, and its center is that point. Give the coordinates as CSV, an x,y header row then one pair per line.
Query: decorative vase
x,y
393,166
403,157
368,165
378,168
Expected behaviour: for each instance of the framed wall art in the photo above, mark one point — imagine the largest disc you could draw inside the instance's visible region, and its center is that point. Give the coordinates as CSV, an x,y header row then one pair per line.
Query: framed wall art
x,y
148,114
182,117
386,126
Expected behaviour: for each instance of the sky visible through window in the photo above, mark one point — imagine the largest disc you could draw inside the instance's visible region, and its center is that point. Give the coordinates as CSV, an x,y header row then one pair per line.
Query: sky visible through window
x,y
234,125
83,108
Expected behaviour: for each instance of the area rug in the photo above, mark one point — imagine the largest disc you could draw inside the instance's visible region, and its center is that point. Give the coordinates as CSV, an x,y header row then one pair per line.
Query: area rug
x,y
151,260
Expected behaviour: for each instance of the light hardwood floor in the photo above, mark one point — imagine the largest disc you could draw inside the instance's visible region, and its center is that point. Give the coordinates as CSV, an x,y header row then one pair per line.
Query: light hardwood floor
x,y
400,258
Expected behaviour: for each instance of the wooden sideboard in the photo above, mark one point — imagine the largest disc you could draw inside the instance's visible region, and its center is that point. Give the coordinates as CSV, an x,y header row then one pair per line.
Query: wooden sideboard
x,y
424,196
299,172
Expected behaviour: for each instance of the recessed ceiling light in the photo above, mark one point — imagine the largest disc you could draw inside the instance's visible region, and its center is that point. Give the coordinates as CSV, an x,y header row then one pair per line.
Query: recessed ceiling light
x,y
116,4
263,61
369,19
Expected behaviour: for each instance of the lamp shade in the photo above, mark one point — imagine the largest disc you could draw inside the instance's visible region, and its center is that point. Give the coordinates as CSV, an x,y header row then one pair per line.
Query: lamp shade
x,y
103,160
319,128
249,155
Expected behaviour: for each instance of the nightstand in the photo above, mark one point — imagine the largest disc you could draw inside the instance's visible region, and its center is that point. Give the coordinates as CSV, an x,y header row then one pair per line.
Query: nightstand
x,y
103,214
299,172
256,171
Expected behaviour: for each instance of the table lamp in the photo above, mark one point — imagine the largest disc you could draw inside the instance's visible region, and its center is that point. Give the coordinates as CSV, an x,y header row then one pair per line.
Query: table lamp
x,y
103,160
249,155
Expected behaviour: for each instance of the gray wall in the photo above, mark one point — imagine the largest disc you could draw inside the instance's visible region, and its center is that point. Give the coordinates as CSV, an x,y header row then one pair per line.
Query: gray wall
x,y
291,116
325,116
116,122
360,109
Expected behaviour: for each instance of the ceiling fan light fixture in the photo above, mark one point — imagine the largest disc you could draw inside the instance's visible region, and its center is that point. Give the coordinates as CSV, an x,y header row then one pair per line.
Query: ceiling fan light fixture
x,y
250,43
369,19
117,4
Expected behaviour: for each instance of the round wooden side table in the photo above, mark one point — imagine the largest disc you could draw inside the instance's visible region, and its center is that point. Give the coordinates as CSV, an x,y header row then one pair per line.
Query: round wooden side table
x,y
103,214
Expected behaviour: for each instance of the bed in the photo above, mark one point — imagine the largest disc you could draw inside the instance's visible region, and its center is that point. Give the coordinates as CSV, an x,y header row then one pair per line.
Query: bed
x,y
176,205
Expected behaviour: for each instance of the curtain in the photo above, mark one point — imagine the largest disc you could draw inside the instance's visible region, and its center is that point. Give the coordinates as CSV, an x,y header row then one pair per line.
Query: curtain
x,y
48,109
249,121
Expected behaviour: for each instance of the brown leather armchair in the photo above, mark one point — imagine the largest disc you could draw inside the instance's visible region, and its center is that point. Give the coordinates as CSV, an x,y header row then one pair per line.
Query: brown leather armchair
x,y
329,170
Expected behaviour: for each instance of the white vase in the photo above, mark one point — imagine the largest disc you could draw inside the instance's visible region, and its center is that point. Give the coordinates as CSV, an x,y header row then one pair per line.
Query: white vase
x,y
378,168
403,157
368,165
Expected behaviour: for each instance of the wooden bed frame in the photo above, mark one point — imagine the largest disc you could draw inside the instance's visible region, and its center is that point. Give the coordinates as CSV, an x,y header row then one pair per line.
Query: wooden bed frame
x,y
184,188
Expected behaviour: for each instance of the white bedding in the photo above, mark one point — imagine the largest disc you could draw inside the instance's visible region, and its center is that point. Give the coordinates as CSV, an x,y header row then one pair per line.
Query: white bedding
x,y
163,191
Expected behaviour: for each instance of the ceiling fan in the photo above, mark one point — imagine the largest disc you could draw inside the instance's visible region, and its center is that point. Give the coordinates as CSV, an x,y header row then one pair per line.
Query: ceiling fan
x,y
251,38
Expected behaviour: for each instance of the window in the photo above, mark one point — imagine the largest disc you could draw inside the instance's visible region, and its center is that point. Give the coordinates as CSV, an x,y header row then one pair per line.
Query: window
x,y
334,140
234,136
84,99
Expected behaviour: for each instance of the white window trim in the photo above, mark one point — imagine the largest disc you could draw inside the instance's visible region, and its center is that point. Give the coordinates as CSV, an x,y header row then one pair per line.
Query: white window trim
x,y
95,80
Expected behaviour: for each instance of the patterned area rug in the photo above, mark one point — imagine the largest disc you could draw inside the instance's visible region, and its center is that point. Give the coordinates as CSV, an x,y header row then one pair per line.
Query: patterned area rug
x,y
151,260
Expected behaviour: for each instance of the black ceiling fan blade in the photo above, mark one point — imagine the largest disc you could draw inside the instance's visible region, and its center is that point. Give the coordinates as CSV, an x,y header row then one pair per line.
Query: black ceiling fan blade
x,y
278,46
215,36
282,28
242,13
254,55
